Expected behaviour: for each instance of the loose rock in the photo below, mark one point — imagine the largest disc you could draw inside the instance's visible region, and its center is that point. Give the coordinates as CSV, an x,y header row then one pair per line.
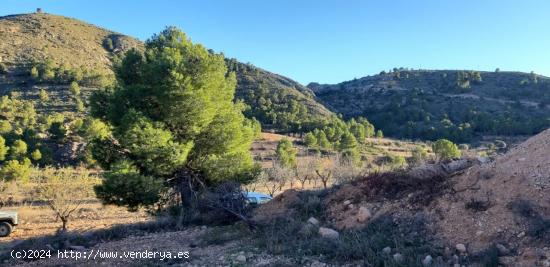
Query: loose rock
x,y
241,258
502,250
427,261
397,257
328,233
386,250
313,221
363,214
461,248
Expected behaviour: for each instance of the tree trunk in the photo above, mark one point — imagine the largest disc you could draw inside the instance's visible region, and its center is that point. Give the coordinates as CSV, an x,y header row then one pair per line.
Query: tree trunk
x,y
186,192
64,221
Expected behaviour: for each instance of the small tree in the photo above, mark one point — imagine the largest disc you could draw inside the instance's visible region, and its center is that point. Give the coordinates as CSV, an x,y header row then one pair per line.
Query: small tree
x,y
445,149
80,105
18,149
310,140
323,141
57,131
44,97
3,148
379,134
286,153
419,155
74,88
15,170
36,155
34,73
274,178
305,170
325,172
65,190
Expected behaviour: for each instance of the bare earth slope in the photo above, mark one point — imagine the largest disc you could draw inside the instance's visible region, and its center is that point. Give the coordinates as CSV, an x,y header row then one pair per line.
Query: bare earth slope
x,y
502,205
37,37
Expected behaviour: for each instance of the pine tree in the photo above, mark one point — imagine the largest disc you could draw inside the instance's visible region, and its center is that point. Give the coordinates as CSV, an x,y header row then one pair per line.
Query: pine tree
x,y
286,154
44,97
173,113
310,140
446,150
75,89
3,148
322,140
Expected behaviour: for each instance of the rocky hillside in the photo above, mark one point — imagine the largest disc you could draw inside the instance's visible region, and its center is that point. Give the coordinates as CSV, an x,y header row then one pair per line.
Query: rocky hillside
x,y
459,105
48,52
278,102
38,37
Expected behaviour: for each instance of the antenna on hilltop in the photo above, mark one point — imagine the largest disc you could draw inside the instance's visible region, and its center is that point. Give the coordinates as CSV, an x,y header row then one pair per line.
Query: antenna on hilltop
x,y
39,10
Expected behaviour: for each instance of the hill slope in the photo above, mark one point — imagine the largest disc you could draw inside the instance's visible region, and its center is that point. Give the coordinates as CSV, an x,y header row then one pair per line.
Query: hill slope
x,y
61,49
431,104
276,101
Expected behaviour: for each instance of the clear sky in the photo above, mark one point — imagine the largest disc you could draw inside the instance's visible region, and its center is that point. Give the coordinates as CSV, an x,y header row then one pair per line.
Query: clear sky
x,y
330,41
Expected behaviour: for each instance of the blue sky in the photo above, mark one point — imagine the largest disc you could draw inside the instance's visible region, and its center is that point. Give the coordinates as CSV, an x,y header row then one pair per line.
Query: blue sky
x,y
332,41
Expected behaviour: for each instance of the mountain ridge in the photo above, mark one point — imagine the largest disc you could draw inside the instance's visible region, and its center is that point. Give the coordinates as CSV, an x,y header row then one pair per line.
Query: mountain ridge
x,y
455,104
70,45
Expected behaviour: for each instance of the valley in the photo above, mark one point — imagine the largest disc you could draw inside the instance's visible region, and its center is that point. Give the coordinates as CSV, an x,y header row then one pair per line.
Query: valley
x,y
111,143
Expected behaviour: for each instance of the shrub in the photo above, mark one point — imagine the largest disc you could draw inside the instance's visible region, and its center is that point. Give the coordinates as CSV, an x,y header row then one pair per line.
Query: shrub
x,y
446,150
285,236
15,170
419,155
74,88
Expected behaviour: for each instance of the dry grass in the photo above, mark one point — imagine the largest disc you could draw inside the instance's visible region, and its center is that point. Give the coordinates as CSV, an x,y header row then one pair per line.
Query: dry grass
x,y
38,221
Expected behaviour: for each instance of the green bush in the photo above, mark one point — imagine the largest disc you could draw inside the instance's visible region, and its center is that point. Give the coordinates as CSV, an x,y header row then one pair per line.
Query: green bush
x,y
446,150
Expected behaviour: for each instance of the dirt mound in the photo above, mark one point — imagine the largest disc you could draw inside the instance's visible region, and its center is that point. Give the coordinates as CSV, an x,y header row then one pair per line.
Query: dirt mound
x,y
507,200
281,206
501,205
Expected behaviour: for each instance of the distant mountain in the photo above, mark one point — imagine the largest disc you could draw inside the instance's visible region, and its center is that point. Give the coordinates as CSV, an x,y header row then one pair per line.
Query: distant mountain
x,y
60,50
431,104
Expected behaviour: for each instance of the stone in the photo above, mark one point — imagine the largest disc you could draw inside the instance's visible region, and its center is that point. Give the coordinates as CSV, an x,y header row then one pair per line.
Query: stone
x,y
241,258
506,261
328,233
522,234
363,214
347,202
546,263
502,250
313,221
427,261
461,248
386,250
398,258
